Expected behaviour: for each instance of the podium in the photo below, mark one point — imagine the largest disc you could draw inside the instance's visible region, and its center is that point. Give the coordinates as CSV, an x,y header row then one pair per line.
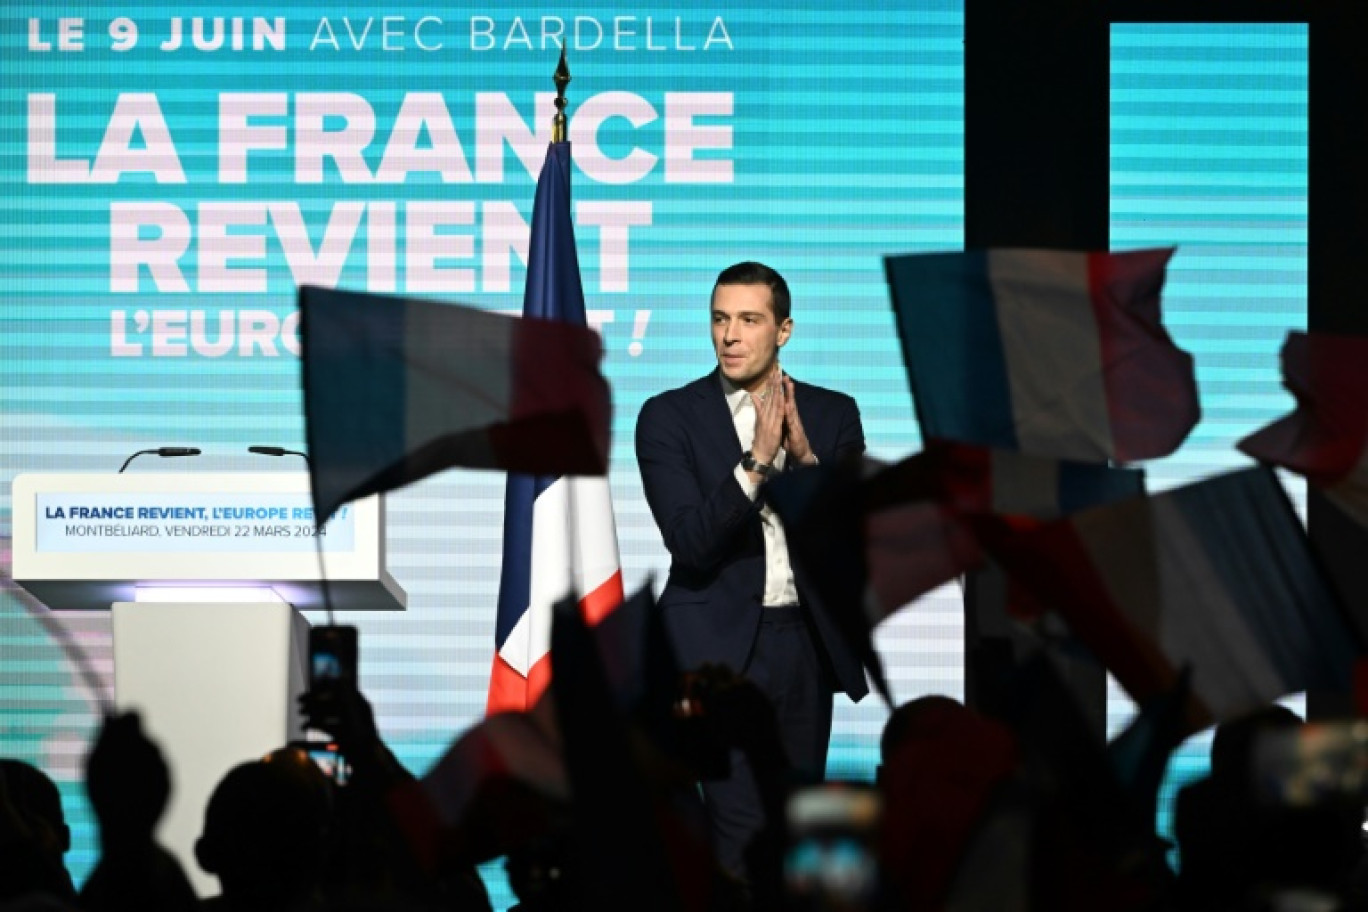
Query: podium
x,y
204,575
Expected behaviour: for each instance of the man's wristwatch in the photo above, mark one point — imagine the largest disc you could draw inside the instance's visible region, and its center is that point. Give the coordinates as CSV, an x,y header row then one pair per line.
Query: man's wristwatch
x,y
763,469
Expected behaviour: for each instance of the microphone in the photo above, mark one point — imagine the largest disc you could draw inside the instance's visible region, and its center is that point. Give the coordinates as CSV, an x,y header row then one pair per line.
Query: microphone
x,y
279,451
163,452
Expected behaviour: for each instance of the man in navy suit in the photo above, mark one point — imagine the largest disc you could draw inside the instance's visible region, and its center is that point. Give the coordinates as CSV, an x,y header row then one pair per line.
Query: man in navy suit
x,y
734,596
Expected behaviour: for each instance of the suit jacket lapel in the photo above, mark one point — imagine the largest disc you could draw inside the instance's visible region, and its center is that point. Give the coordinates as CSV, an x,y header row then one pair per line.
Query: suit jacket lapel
x,y
715,420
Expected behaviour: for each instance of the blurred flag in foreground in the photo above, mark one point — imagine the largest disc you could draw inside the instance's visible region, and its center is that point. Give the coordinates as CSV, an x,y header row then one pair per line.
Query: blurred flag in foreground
x,y
873,538
1050,352
622,851
559,535
396,389
1326,438
915,524
1217,575
577,757
500,784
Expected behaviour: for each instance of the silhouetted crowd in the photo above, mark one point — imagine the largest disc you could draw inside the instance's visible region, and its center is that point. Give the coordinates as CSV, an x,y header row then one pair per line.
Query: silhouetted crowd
x,y
1028,811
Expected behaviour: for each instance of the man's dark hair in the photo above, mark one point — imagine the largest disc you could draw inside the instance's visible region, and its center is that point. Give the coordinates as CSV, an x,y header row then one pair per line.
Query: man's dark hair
x,y
751,273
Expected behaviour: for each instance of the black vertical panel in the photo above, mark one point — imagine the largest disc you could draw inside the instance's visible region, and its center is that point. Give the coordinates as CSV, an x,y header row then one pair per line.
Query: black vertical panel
x,y
1338,260
1036,98
1035,123
1338,169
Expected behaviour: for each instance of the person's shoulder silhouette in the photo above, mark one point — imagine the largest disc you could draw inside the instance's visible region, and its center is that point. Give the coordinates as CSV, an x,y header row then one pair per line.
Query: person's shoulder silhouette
x,y
35,834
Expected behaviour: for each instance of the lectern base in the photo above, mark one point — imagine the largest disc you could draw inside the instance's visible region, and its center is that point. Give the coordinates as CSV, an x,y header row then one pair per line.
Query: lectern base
x,y
215,685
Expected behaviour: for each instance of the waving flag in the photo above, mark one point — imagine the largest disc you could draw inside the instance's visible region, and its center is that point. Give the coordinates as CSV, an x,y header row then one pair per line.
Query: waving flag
x,y
915,528
506,778
877,537
559,536
909,523
1050,352
396,389
621,853
1217,575
1326,438
498,785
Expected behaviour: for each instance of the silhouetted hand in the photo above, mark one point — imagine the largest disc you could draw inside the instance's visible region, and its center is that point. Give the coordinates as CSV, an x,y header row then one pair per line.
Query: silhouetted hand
x,y
341,711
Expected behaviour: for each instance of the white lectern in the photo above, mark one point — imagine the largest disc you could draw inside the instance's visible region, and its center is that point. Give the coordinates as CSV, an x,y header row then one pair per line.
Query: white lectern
x,y
204,574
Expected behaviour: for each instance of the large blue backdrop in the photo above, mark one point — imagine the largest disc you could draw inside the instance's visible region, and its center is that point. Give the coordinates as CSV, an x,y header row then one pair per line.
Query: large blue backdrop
x,y
167,181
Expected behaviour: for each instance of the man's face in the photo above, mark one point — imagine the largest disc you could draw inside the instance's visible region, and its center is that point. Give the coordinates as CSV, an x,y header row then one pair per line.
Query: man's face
x,y
745,334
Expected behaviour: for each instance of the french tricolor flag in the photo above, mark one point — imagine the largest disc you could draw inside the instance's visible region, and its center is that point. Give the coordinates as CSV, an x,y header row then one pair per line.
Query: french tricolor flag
x,y
396,389
1051,352
873,538
916,528
1217,576
1326,438
559,535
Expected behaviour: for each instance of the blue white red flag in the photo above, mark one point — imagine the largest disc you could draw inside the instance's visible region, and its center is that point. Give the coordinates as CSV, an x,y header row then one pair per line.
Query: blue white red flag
x,y
874,538
559,534
1050,352
913,518
1217,575
396,389
916,526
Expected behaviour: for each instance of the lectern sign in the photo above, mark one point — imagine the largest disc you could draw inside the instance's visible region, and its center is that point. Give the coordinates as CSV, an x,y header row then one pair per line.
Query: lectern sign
x,y
87,541
187,522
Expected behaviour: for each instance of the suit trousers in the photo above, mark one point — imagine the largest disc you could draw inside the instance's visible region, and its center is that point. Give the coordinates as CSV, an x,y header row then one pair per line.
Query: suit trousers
x,y
785,665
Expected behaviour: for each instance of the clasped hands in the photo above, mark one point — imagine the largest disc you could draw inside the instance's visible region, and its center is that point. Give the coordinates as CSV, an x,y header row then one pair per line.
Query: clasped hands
x,y
777,423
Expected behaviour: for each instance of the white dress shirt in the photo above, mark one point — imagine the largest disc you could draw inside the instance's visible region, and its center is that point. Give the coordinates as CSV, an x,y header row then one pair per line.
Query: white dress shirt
x,y
779,586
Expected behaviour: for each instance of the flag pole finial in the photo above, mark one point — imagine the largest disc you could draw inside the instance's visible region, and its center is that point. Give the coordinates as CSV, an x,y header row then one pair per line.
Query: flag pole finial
x,y
562,79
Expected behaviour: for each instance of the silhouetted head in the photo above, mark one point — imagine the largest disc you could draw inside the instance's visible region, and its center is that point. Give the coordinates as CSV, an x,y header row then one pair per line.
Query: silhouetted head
x,y
915,718
941,764
127,781
1232,746
267,829
1235,842
39,804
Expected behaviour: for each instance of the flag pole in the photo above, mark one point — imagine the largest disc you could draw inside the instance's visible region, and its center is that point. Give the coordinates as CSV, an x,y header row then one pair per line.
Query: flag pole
x,y
562,79
573,557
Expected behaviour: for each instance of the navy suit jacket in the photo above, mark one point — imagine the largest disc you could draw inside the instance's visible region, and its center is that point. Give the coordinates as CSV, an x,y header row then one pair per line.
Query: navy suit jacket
x,y
687,451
